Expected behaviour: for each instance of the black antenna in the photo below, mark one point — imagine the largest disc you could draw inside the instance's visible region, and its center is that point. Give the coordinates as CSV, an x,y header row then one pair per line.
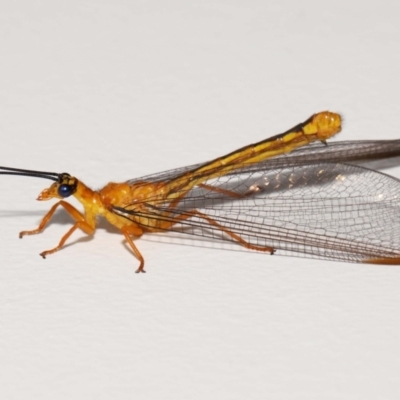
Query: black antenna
x,y
26,172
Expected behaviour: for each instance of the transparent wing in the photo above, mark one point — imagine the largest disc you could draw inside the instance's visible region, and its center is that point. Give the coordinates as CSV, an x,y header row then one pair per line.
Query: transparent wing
x,y
325,210
376,154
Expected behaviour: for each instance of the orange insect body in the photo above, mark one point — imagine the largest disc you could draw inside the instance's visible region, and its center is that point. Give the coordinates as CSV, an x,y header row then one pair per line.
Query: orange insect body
x,y
142,194
134,207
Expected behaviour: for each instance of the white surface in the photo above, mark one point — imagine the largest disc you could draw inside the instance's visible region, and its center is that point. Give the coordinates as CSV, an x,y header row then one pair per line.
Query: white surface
x,y
111,90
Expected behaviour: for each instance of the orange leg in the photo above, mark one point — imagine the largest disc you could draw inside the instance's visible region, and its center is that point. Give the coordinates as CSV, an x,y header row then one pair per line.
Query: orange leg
x,y
80,223
215,223
250,192
211,189
220,190
136,231
233,235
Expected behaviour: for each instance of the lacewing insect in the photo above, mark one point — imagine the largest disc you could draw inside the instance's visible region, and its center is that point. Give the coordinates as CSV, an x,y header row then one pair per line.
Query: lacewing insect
x,y
289,194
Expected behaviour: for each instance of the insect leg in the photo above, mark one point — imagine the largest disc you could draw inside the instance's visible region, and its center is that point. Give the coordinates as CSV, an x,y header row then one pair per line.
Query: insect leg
x,y
220,190
233,235
81,223
136,231
70,209
229,193
211,189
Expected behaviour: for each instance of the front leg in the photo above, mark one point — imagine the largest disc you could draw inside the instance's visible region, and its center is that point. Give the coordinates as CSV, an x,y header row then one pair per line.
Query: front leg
x,y
81,223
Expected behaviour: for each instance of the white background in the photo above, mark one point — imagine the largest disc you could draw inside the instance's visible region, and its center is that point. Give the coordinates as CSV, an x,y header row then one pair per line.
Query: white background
x,y
112,90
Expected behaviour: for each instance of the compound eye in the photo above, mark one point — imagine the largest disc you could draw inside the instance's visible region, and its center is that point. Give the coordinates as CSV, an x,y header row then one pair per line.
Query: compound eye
x,y
65,190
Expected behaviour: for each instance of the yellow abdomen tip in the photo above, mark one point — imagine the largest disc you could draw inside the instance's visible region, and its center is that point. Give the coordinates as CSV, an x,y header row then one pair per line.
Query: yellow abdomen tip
x,y
326,124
